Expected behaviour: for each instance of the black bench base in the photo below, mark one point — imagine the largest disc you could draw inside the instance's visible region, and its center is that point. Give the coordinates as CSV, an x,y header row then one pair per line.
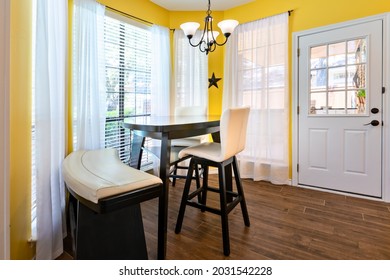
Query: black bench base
x,y
114,235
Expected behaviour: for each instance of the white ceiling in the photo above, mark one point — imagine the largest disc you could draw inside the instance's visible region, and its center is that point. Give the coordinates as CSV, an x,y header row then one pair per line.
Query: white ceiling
x,y
199,5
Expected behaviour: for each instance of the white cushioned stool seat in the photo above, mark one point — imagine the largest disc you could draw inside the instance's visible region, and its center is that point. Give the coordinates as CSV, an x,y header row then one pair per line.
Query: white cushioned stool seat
x,y
97,174
104,205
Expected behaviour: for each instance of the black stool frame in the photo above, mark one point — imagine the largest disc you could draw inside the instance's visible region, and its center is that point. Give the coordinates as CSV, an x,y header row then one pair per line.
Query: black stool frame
x,y
228,198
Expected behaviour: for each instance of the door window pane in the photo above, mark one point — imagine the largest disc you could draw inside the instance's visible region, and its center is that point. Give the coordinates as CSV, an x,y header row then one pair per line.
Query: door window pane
x,y
357,76
351,102
336,102
337,78
318,80
357,51
318,103
336,54
318,57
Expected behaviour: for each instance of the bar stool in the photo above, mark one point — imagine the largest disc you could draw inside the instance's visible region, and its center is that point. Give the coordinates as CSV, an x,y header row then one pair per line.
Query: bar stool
x,y
222,155
104,205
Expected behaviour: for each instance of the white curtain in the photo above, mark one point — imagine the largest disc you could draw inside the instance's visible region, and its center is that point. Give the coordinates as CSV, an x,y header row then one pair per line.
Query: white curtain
x,y
161,69
89,95
160,86
50,125
191,71
256,74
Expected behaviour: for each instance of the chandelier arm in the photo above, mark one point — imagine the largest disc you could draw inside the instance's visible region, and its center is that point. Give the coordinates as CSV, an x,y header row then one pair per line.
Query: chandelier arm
x,y
205,29
191,44
211,30
201,39
200,48
210,39
212,47
221,44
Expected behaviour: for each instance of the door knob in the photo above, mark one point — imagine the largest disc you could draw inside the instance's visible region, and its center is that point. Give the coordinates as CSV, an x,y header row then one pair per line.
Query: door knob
x,y
373,123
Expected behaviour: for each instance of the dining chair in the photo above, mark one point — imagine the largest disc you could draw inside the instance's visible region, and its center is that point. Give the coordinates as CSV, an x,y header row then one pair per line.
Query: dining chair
x,y
183,111
180,167
177,164
222,155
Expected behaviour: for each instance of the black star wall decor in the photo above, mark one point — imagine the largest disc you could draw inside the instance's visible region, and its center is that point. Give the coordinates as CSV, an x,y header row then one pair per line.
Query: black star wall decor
x,y
213,81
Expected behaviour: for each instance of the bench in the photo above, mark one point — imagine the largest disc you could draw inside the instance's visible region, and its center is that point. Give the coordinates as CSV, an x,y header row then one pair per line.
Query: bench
x,y
104,205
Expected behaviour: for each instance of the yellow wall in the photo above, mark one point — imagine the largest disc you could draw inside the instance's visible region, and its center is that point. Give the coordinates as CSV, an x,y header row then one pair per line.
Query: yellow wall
x,y
307,14
310,13
20,130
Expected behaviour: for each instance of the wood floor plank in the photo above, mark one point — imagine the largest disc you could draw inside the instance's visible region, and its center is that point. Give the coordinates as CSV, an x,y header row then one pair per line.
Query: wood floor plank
x,y
287,222
372,211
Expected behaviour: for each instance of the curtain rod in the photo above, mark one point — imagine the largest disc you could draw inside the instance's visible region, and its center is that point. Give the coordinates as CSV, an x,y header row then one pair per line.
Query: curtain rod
x,y
289,14
131,16
151,23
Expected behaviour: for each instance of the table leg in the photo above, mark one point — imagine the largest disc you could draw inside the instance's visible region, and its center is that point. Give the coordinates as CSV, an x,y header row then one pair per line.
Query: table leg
x,y
163,205
216,137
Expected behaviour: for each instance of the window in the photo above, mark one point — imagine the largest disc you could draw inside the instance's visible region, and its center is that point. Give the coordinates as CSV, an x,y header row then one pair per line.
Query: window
x,y
128,77
338,78
256,75
262,67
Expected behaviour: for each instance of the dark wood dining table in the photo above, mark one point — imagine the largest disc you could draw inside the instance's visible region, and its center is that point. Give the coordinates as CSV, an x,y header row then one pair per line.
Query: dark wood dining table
x,y
167,128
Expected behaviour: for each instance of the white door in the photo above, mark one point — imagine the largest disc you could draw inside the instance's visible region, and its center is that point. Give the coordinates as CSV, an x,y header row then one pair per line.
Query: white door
x,y
340,109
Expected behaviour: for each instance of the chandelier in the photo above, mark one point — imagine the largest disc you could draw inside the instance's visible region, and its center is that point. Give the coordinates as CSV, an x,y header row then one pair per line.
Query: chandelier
x,y
208,42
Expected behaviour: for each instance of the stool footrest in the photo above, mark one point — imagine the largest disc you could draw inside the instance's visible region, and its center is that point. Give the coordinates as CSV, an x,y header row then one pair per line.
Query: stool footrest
x,y
229,207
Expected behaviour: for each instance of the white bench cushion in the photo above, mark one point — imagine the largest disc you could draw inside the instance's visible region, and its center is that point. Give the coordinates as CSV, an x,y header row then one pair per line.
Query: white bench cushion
x,y
96,174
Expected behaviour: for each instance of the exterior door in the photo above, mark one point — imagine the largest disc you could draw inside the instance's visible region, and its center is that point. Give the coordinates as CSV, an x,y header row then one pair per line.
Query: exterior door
x,y
340,109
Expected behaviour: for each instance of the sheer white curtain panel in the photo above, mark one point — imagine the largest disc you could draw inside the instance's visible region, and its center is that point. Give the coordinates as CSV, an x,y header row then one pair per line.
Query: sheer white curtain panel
x,y
88,87
160,87
256,74
191,71
161,69
50,125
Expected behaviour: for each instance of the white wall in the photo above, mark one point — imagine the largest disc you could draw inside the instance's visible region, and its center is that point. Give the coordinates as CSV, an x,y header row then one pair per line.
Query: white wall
x,y
4,128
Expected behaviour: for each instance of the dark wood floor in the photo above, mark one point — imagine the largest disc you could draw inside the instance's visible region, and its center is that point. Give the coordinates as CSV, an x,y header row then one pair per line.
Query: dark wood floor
x,y
286,223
